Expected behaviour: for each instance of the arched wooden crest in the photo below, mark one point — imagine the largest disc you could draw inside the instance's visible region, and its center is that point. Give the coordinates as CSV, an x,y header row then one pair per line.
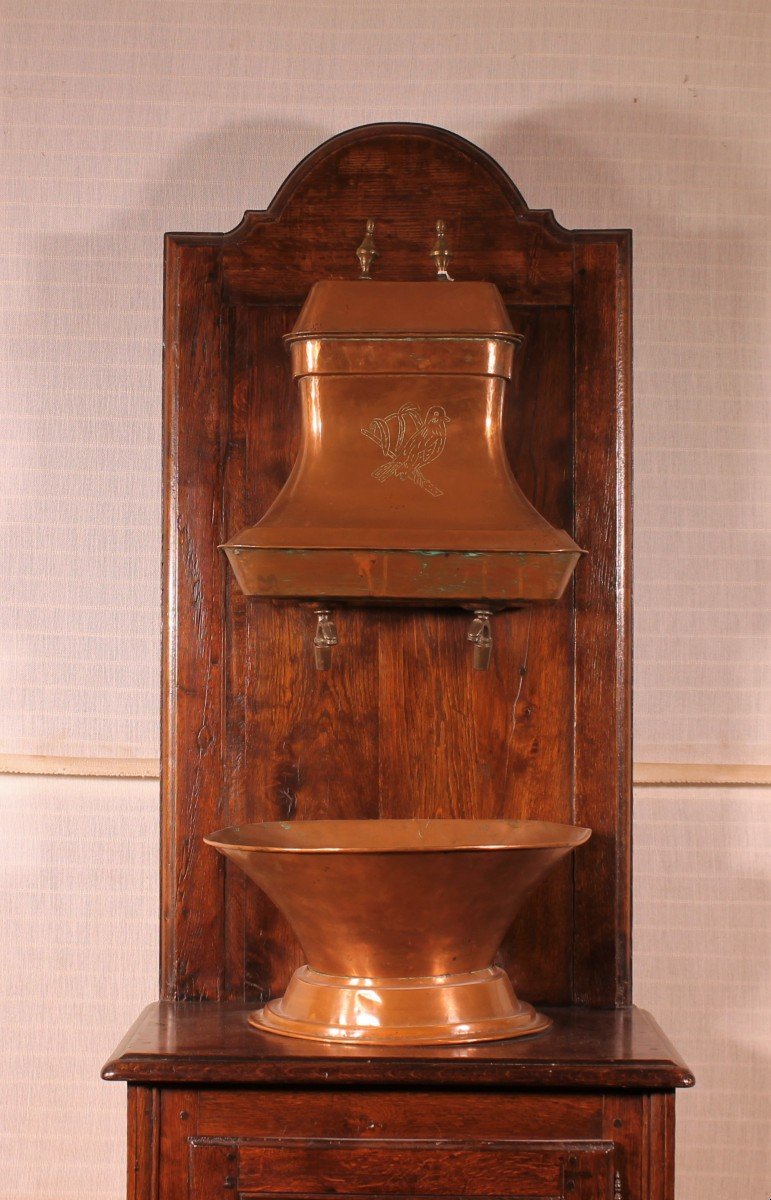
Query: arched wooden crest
x,y
401,725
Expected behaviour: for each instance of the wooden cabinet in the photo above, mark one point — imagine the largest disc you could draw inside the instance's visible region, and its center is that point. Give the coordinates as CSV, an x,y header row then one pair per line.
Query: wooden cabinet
x,y
400,727
252,1143
585,1111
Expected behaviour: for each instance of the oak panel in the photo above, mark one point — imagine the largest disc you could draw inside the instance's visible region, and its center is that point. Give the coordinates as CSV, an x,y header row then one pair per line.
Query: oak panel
x,y
401,725
399,1114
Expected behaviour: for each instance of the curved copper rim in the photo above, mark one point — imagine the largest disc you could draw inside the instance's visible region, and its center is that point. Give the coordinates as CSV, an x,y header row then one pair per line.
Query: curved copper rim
x,y
405,336
543,835
301,541
402,355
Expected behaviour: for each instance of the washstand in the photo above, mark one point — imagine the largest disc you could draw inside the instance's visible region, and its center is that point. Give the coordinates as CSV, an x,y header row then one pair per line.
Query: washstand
x,y
324,676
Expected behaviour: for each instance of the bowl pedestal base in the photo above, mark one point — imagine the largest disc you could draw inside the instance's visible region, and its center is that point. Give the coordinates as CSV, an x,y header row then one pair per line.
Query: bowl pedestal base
x,y
476,1006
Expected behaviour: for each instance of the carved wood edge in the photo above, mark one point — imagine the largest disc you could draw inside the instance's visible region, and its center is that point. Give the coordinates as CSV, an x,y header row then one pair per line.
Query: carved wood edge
x,y
141,1058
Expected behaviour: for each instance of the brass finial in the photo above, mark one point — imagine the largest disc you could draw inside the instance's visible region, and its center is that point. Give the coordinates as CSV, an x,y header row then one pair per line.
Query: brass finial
x,y
440,253
367,251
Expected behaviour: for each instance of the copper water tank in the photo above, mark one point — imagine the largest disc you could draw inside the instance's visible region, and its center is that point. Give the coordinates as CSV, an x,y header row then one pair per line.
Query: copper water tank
x,y
402,491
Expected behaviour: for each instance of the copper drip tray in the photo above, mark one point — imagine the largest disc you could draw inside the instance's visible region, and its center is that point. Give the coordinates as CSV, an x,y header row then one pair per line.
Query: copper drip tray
x,y
503,578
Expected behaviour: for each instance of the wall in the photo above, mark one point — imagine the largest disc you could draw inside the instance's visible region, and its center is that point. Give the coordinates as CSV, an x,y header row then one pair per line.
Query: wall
x,y
123,119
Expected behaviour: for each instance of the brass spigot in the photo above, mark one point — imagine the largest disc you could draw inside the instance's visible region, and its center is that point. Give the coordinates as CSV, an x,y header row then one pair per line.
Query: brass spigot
x,y
324,639
366,251
481,634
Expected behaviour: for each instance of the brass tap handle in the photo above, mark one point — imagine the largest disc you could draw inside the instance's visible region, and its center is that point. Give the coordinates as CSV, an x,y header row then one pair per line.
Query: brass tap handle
x,y
441,253
325,639
366,251
481,634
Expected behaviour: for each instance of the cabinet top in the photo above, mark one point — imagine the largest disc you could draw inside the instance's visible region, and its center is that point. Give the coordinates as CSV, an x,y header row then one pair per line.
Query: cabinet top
x,y
211,1043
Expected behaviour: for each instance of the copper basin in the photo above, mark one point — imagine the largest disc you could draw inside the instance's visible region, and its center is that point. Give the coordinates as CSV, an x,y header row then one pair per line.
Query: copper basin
x,y
400,921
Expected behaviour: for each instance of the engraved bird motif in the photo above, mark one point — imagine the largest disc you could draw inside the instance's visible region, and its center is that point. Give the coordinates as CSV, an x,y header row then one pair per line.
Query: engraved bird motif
x,y
425,444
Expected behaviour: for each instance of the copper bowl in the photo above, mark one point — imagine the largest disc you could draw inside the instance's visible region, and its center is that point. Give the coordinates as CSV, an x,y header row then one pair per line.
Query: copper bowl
x,y
400,921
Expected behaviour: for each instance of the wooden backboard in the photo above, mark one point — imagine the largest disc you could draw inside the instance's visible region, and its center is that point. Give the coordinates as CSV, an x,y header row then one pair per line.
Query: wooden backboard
x,y
401,725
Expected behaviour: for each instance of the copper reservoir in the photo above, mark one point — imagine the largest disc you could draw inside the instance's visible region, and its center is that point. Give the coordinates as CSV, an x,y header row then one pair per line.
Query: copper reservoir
x,y
402,492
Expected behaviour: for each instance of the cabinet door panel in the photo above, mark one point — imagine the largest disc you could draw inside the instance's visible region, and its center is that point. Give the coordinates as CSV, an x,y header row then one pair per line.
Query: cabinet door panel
x,y
357,1171
386,1170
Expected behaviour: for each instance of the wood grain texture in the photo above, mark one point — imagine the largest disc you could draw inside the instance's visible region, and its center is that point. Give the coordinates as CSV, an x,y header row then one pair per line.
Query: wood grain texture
x,y
142,1143
193,897
660,1165
214,1044
313,1136
178,1115
603,750
411,1169
213,1170
312,1170
404,176
370,1113
624,1123
401,725
329,1141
